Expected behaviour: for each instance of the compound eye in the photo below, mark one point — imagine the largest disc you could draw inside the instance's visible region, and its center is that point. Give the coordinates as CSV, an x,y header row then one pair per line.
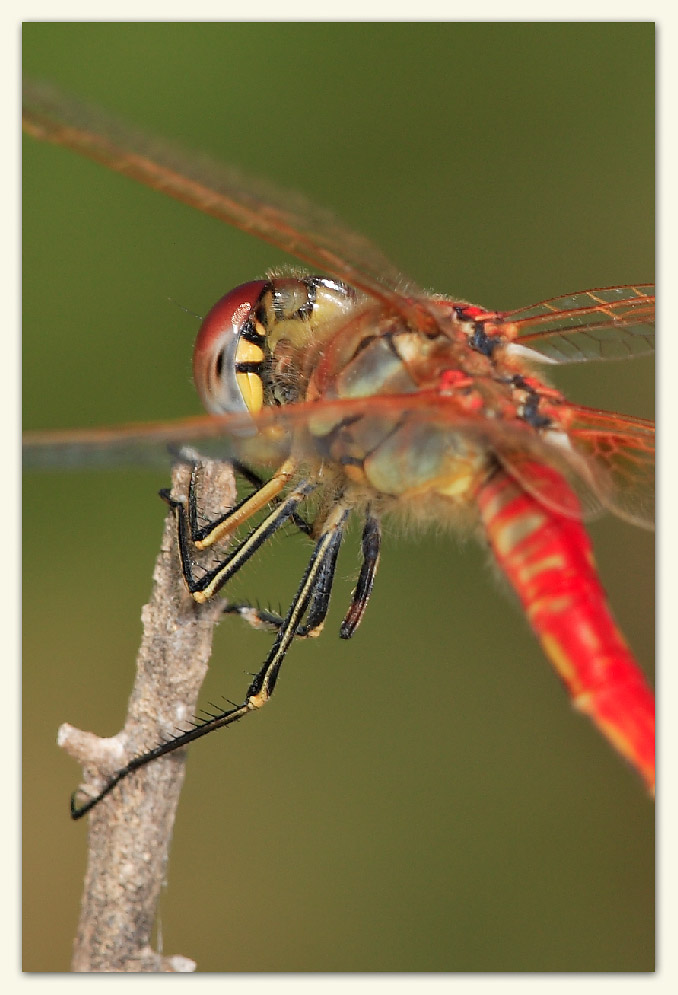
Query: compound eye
x,y
229,353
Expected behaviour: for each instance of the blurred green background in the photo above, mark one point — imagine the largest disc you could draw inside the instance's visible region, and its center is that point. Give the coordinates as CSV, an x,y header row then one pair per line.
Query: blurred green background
x,y
422,798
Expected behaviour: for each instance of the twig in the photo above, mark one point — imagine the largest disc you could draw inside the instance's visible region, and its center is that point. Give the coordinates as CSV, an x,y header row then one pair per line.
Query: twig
x,y
130,830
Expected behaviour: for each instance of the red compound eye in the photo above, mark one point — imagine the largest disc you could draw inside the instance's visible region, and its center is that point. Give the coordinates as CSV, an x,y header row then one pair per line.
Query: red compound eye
x,y
221,347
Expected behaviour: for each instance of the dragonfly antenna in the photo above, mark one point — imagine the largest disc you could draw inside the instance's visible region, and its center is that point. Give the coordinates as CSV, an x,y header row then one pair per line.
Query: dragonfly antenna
x,y
182,307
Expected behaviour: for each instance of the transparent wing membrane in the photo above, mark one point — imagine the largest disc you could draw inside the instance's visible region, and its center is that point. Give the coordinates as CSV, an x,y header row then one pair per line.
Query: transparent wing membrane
x,y
282,218
609,323
609,459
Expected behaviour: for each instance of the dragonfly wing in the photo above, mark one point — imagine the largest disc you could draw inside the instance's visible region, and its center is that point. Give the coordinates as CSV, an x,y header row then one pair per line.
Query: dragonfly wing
x,y
282,218
608,460
157,443
608,323
624,450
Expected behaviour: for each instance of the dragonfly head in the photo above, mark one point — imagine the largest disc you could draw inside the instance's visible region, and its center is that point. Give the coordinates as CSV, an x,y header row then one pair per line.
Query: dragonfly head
x,y
251,346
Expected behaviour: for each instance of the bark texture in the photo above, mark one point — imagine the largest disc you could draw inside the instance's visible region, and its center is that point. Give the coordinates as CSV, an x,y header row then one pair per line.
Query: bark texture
x,y
130,830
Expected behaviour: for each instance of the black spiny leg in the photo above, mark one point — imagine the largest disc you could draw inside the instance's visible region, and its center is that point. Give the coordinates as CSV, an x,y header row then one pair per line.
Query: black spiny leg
x,y
371,545
320,568
313,594
260,618
204,587
268,491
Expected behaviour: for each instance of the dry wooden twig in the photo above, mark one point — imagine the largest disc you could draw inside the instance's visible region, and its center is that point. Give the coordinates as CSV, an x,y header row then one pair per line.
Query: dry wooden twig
x,y
130,830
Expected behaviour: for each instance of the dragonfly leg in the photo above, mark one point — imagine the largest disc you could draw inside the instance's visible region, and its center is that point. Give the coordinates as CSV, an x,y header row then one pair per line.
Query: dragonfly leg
x,y
318,606
260,618
264,618
313,596
371,545
205,536
204,587
254,478
313,591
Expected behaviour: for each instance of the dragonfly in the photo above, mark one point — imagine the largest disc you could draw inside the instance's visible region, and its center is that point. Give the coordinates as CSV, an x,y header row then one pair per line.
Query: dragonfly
x,y
366,396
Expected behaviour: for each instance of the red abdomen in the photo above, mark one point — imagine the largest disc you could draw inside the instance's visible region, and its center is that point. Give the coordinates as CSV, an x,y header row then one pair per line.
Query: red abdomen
x,y
549,561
